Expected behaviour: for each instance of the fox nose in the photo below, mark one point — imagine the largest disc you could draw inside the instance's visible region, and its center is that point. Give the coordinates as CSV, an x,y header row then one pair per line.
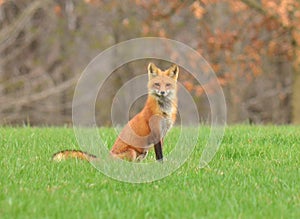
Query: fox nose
x,y
162,93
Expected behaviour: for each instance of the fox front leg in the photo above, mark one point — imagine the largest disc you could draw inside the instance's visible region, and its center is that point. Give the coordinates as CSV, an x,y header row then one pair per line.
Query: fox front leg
x,y
157,134
158,151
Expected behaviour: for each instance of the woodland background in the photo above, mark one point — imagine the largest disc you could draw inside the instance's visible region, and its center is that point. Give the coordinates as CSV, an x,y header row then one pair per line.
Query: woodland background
x,y
252,45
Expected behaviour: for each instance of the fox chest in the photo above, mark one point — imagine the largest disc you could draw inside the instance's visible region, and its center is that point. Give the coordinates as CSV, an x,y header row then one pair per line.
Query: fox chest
x,y
165,107
165,125
166,122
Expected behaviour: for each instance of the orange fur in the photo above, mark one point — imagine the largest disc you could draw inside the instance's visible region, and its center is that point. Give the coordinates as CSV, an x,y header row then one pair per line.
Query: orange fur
x,y
62,155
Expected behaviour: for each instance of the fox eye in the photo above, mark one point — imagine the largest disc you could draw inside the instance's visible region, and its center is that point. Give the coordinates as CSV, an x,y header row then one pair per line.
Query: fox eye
x,y
168,85
157,84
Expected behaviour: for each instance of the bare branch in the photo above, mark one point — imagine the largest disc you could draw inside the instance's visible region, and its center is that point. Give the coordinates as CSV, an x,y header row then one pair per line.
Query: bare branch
x,y
10,31
39,96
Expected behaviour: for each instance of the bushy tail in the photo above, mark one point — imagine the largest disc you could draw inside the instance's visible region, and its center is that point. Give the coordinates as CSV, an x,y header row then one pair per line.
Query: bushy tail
x,y
65,154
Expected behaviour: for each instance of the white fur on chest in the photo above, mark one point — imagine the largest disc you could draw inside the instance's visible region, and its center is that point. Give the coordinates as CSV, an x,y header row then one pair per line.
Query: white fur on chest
x,y
166,107
166,124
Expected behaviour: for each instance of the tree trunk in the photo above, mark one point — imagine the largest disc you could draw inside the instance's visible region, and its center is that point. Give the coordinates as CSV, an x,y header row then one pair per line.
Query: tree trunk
x,y
296,80
296,97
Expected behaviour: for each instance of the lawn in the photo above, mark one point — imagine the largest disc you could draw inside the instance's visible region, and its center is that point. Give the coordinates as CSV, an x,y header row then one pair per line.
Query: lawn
x,y
255,174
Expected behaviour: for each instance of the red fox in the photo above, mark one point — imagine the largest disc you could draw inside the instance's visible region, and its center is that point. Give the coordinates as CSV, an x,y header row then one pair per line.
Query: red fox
x,y
148,127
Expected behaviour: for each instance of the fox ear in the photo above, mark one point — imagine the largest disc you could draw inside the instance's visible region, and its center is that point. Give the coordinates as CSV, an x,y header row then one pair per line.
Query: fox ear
x,y
173,72
152,70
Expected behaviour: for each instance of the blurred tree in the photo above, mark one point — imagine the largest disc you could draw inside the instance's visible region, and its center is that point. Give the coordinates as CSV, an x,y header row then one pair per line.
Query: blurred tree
x,y
286,14
240,44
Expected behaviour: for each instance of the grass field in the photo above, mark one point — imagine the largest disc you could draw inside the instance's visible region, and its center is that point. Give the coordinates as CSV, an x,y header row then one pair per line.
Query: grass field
x,y
255,174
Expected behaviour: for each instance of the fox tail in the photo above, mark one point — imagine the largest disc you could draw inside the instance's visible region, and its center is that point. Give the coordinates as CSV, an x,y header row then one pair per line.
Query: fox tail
x,y
78,154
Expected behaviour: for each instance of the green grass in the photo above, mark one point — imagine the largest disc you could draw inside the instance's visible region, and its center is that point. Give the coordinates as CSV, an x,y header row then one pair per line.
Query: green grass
x,y
255,174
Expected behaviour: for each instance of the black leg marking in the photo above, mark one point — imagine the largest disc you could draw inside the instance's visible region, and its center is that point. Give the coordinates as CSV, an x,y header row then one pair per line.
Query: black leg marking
x,y
158,151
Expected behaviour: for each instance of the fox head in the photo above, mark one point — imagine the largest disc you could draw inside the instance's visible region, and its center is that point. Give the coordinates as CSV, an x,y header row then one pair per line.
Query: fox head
x,y
162,83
